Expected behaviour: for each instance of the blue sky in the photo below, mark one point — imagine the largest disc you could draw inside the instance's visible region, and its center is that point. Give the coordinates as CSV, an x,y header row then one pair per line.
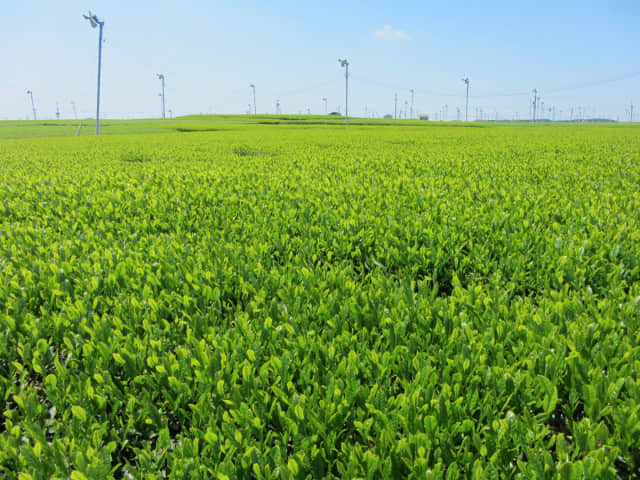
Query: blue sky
x,y
578,54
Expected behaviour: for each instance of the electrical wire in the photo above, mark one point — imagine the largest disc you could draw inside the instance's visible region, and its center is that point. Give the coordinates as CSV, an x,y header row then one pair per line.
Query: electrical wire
x,y
509,94
299,91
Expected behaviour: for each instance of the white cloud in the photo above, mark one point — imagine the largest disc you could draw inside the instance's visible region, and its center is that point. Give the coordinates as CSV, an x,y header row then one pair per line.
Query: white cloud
x,y
390,33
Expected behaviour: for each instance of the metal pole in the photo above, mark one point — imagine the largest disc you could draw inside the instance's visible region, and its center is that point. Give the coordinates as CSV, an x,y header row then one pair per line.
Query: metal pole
x,y
395,106
161,77
411,114
163,97
253,87
345,63
346,95
466,107
100,24
535,101
33,105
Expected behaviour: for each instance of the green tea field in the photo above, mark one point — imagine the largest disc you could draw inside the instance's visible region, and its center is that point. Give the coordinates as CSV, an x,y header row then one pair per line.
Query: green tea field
x,y
304,301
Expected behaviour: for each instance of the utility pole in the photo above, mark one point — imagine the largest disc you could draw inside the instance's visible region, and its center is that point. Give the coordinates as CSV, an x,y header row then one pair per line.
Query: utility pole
x,y
161,77
324,99
93,20
466,109
412,92
395,107
534,104
33,105
253,87
345,63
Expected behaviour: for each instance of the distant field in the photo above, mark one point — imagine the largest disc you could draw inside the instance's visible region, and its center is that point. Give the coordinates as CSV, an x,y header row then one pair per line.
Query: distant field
x,y
203,123
314,301
71,128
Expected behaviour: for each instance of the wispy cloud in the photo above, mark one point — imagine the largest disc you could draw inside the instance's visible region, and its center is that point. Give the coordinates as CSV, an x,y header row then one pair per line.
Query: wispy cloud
x,y
390,33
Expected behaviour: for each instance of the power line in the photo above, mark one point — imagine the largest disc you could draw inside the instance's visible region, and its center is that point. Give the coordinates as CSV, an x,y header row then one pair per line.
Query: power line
x,y
509,94
596,83
307,89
